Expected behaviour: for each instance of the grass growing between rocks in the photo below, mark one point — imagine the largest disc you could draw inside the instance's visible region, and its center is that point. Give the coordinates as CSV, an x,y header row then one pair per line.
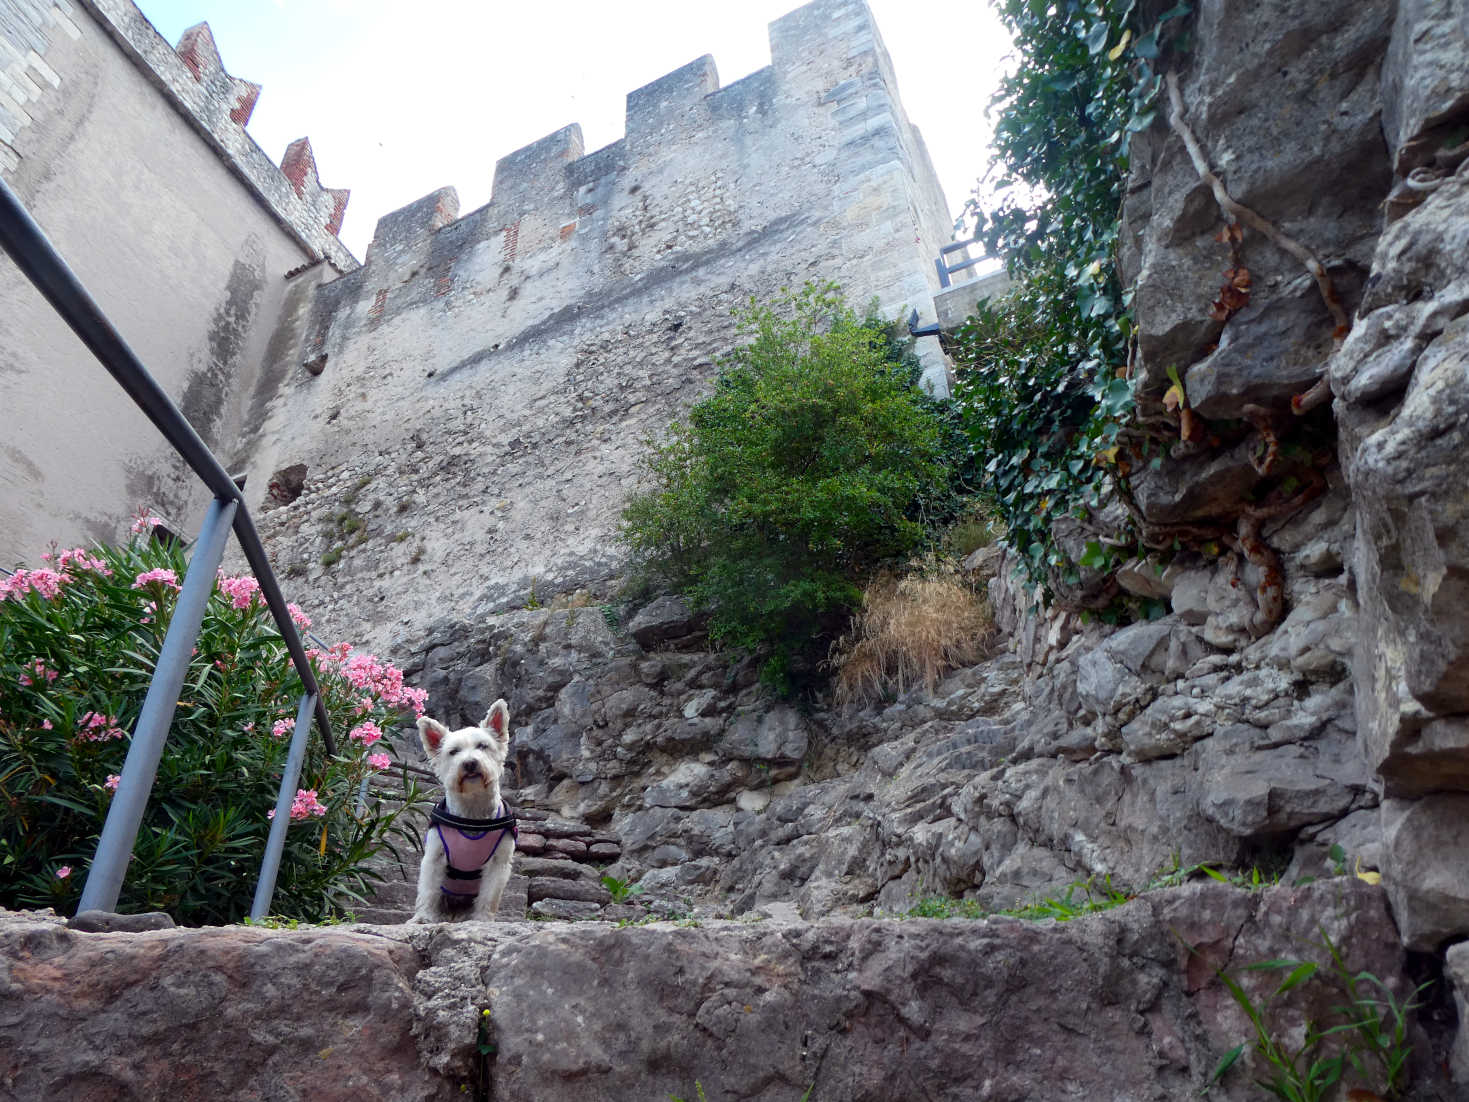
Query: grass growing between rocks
x,y
1082,897
1372,1025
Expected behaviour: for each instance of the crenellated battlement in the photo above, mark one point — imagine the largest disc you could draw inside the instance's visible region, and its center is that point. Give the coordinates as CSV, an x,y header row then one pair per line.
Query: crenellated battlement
x,y
830,80
219,105
197,51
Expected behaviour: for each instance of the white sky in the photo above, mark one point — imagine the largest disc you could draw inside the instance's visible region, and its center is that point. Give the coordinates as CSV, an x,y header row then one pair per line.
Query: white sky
x,y
399,99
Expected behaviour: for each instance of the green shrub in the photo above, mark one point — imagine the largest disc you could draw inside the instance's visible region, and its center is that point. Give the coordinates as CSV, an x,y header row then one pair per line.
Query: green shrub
x,y
78,643
811,465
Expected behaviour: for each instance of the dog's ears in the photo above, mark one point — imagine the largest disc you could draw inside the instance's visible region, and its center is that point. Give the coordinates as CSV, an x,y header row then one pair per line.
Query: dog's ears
x,y
431,733
497,721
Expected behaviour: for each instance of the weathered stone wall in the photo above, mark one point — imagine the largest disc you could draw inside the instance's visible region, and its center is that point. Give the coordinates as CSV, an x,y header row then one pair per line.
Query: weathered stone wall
x,y
134,160
483,383
1120,1005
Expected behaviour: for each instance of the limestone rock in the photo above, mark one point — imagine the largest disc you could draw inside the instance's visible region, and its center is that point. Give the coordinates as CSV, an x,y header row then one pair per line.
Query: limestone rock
x,y
1256,790
665,619
1119,671
1457,967
202,1014
779,734
1425,84
1407,460
1274,349
1425,867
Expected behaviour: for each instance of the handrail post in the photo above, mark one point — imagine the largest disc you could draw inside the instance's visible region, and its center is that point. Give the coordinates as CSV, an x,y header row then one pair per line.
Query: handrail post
x,y
125,815
275,845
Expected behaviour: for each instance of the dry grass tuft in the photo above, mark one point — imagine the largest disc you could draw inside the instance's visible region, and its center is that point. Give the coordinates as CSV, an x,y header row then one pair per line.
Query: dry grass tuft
x,y
911,630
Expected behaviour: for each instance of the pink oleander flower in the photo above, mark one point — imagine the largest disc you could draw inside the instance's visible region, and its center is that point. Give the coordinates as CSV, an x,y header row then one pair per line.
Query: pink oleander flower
x,y
304,806
282,727
161,575
302,620
382,681
249,727
143,521
78,558
379,761
63,872
45,581
96,727
365,733
417,699
46,725
112,781
38,668
242,591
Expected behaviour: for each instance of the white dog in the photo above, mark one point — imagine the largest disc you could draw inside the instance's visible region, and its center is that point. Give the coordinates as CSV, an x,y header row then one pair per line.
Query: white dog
x,y
471,834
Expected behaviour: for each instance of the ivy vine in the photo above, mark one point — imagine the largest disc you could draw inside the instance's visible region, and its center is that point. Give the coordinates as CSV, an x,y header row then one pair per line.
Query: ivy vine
x,y
1045,392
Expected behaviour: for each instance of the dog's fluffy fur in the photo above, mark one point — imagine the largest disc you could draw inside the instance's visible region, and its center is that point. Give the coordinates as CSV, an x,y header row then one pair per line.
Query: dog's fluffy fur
x,y
469,764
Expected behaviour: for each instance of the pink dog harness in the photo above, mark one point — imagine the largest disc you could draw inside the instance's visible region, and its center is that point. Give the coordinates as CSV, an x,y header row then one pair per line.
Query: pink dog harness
x,y
468,846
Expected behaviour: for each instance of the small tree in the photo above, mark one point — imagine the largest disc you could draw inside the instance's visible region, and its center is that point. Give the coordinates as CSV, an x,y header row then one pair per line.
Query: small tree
x,y
794,482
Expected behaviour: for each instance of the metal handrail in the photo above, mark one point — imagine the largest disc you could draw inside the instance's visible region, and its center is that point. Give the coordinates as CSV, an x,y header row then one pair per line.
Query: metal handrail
x,y
39,261
945,269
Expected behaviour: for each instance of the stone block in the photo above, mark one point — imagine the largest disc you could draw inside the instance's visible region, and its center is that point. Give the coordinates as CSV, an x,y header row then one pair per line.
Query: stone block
x,y
1425,868
584,891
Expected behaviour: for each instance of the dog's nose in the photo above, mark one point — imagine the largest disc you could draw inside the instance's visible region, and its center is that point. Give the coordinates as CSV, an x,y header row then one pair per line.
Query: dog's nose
x,y
471,769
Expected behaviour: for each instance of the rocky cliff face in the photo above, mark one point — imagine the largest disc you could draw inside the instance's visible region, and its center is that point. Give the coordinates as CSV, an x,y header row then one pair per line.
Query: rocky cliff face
x,y
1307,689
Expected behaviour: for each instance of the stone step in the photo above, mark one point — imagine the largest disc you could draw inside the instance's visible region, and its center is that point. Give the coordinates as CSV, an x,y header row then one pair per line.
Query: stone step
x,y
383,916
580,891
557,868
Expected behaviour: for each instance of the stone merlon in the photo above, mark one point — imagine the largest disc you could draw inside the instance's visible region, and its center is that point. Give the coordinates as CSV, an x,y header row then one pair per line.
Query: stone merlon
x,y
411,225
675,100
218,105
535,175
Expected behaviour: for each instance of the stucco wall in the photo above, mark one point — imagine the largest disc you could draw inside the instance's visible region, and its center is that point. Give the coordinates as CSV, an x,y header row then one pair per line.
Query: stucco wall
x,y
170,236
485,381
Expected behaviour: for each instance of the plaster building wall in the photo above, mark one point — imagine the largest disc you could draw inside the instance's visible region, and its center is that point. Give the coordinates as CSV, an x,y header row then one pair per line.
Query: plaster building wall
x,y
468,406
134,160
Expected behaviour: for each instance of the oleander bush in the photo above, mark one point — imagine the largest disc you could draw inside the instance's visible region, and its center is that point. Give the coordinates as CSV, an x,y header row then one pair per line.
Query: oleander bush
x,y
79,639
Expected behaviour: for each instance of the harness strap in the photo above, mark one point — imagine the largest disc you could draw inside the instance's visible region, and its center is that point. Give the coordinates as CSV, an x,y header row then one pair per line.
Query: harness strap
x,y
442,814
469,830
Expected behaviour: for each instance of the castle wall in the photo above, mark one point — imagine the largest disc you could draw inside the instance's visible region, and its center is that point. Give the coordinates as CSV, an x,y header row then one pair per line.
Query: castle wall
x,y
134,160
469,405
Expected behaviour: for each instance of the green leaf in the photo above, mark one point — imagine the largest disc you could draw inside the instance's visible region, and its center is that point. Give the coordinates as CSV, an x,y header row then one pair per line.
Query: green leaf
x,y
1094,556
1226,1062
1298,976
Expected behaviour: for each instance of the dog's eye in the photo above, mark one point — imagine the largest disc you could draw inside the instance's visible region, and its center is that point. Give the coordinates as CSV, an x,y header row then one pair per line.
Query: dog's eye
x,y
481,745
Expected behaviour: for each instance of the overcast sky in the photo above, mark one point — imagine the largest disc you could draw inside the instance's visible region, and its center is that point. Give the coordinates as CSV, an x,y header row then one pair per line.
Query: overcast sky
x,y
401,98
